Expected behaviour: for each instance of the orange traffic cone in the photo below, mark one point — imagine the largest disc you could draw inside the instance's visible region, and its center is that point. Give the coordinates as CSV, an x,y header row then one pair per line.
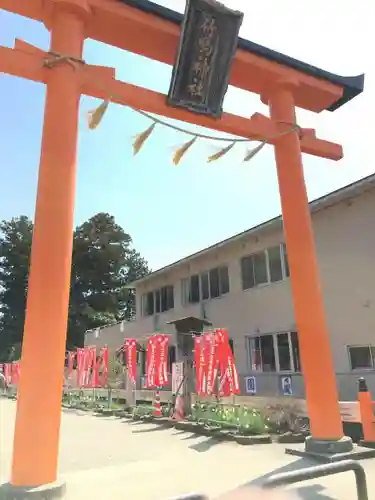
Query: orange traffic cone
x,y
179,409
366,408
157,405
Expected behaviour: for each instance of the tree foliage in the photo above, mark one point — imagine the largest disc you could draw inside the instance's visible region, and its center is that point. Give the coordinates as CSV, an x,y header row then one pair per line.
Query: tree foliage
x,y
15,244
103,263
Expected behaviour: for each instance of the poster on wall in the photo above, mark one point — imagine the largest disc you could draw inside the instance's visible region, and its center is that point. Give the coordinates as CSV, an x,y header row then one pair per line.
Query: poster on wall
x,y
251,385
286,386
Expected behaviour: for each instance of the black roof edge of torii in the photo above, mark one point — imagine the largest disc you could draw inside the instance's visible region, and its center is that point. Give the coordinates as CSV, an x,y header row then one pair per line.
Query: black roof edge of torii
x,y
352,85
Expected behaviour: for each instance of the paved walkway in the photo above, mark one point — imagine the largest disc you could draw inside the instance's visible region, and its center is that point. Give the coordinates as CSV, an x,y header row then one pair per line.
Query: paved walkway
x,y
115,459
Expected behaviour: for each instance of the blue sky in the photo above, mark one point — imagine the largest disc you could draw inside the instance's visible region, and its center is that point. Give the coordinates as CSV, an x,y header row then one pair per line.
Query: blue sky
x,y
170,211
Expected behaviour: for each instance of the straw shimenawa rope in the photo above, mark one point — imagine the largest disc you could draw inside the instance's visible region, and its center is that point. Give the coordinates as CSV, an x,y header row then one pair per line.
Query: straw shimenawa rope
x,y
96,115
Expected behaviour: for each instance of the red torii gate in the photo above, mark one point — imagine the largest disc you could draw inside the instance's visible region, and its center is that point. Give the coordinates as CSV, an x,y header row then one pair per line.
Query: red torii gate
x,y
150,30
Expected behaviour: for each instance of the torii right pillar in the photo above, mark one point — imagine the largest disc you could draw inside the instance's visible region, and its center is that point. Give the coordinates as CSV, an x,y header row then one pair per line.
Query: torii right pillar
x,y
316,357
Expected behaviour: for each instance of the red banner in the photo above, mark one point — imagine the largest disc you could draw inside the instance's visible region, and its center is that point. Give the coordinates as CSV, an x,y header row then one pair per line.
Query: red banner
x,y
91,372
161,368
205,349
213,354
8,373
210,357
229,380
157,361
80,366
202,353
150,362
203,365
71,356
222,345
85,366
131,359
11,372
15,372
198,358
88,364
104,363
232,370
96,370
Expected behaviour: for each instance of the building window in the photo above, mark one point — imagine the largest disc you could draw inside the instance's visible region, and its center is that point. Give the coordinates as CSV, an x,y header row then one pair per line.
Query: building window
x,y
283,348
214,283
295,351
158,301
285,261
276,352
208,285
167,298
247,273
361,357
224,280
194,289
148,304
275,263
191,289
260,268
268,266
205,286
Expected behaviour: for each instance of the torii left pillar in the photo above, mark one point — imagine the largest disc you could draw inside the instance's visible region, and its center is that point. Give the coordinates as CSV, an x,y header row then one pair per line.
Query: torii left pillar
x,y
37,428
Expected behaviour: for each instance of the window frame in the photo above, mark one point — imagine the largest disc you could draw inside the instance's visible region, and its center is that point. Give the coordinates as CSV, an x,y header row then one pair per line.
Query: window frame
x,y
190,291
248,259
207,274
282,257
264,255
285,261
274,335
214,282
371,348
157,293
265,251
157,301
144,305
186,286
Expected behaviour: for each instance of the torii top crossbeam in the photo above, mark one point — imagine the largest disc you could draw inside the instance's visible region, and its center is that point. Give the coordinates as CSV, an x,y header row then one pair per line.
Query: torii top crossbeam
x,y
144,28
151,30
148,29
